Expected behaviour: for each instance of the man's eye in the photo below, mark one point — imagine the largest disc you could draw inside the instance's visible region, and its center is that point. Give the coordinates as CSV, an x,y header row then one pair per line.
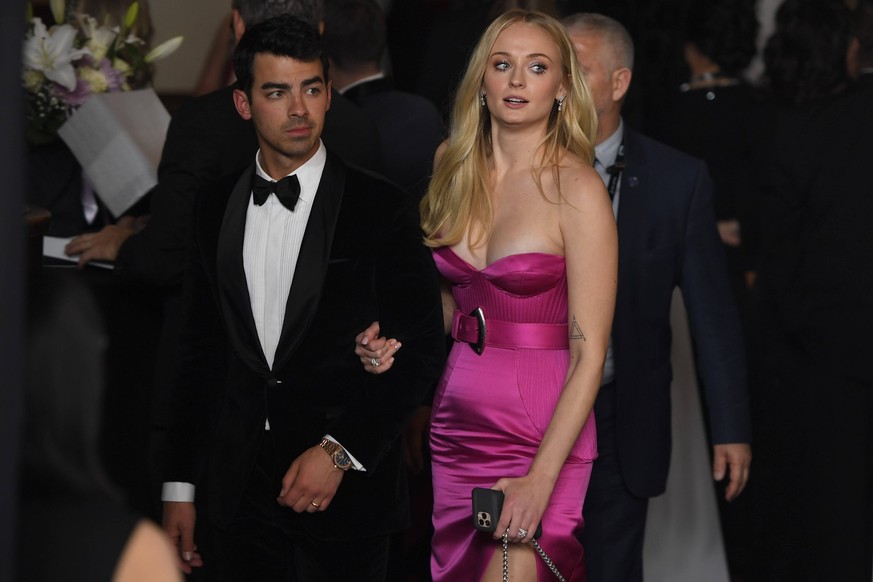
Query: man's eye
x,y
313,91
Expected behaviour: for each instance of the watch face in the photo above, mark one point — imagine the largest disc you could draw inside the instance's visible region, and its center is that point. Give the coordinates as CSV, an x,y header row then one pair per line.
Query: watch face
x,y
341,459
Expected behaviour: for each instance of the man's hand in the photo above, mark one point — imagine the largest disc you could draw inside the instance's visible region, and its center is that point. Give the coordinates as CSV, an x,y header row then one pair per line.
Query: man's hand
x,y
310,482
105,244
179,520
735,457
415,438
376,353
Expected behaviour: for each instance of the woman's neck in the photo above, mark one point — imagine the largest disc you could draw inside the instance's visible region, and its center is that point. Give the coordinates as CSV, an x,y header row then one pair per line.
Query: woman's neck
x,y
514,149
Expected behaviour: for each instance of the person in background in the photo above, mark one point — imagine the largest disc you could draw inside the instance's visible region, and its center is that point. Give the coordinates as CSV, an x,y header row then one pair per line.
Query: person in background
x,y
667,238
711,117
72,523
410,126
55,180
815,288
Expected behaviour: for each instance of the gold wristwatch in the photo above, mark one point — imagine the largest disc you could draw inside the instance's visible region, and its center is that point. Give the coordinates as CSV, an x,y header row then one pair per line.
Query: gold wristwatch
x,y
338,455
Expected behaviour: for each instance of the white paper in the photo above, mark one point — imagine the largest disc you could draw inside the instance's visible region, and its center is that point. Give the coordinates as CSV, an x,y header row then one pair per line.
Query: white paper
x,y
53,246
118,138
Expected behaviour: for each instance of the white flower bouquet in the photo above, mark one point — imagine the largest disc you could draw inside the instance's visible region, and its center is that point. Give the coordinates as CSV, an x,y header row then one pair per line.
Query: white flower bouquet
x,y
77,57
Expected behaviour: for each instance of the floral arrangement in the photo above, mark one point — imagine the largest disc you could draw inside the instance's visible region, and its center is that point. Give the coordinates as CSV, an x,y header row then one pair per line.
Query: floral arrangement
x,y
76,57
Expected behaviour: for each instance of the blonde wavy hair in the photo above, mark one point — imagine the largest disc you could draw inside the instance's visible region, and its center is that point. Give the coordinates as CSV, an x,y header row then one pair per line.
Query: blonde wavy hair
x,y
459,194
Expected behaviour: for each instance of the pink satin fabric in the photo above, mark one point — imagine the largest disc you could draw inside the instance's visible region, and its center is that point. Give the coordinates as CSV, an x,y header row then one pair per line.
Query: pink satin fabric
x,y
491,411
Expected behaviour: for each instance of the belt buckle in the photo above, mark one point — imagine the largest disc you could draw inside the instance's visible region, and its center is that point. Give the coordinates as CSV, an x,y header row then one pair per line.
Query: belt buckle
x,y
479,346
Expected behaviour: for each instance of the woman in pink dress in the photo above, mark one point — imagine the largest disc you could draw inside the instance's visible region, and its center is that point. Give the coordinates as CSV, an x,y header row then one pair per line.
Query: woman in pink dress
x,y
522,230
523,234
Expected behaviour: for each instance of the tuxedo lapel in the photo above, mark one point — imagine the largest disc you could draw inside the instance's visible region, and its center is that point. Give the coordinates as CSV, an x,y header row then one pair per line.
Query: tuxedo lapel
x,y
312,261
236,304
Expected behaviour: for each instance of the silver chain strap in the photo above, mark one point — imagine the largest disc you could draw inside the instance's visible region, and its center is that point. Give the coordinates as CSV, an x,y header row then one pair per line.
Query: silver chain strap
x,y
548,561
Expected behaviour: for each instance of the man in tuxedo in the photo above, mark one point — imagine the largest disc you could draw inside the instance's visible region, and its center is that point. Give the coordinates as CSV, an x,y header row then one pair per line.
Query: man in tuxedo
x,y
410,126
303,466
207,138
667,238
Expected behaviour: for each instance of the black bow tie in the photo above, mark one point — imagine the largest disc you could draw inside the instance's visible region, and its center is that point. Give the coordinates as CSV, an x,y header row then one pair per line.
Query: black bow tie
x,y
287,190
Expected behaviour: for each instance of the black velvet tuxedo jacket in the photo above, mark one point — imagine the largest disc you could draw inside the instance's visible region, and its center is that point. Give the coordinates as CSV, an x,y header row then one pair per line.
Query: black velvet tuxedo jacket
x,y
206,139
667,238
362,259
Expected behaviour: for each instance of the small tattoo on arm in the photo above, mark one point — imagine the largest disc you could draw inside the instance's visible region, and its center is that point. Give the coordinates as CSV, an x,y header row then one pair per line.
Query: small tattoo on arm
x,y
576,331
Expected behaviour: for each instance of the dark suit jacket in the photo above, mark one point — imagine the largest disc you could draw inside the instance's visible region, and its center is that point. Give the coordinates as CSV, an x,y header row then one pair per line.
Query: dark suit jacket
x,y
667,238
344,280
410,128
208,138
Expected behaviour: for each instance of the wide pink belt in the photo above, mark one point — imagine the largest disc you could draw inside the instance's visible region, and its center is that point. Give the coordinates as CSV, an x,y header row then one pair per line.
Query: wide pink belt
x,y
479,332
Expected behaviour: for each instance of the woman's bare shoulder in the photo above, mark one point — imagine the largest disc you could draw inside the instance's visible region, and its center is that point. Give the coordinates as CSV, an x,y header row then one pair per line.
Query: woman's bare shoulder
x,y
581,185
148,555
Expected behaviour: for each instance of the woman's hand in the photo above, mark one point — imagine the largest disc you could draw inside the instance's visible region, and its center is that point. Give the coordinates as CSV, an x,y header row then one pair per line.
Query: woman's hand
x,y
524,501
376,353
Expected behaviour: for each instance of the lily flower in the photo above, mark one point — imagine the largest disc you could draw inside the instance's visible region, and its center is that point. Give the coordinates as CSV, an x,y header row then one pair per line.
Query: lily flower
x,y
164,49
100,38
58,7
51,52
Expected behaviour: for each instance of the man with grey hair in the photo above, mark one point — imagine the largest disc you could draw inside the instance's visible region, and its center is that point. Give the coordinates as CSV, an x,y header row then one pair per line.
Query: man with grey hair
x,y
667,238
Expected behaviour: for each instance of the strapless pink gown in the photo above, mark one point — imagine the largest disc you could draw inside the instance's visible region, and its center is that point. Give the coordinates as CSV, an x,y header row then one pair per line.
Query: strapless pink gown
x,y
491,411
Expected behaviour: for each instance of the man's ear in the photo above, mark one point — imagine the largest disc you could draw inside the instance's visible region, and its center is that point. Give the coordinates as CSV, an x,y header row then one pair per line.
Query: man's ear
x,y
329,91
621,79
241,101
237,25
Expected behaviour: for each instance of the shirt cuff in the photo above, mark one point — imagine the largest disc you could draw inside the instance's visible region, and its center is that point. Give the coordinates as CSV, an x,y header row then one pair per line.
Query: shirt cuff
x,y
355,464
177,491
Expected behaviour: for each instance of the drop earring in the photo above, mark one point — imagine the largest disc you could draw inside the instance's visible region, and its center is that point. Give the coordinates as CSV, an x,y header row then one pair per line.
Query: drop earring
x,y
560,101
482,98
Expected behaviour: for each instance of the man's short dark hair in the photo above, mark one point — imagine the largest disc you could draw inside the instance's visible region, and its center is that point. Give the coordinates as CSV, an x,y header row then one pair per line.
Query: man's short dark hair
x,y
255,11
354,32
283,36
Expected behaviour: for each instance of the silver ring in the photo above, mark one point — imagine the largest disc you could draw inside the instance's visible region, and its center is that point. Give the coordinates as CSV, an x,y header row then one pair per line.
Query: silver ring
x,y
314,504
374,362
522,533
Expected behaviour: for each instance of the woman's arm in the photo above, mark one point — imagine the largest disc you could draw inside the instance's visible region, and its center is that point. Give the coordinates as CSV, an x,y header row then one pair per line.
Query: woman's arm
x,y
590,242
